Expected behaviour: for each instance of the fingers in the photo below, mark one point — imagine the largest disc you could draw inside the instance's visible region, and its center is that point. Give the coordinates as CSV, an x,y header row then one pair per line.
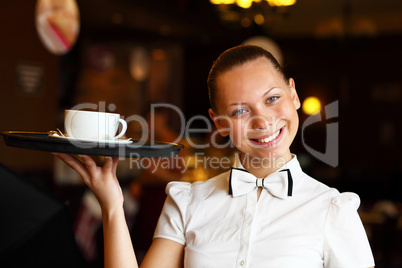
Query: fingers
x,y
89,163
86,166
111,164
108,163
74,164
115,163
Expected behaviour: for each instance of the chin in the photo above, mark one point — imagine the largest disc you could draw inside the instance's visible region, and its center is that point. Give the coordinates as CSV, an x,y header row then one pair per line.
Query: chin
x,y
276,153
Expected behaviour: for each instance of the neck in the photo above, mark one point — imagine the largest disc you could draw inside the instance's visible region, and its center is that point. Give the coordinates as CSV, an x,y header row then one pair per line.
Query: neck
x,y
262,167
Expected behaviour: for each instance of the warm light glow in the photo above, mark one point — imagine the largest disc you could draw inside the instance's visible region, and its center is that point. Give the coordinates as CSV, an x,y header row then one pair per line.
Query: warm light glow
x,y
311,105
158,54
288,2
225,2
259,19
281,2
244,3
248,3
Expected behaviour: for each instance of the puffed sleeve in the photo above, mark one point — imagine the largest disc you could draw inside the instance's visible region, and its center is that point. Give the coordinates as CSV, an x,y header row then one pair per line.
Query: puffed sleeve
x,y
346,243
171,222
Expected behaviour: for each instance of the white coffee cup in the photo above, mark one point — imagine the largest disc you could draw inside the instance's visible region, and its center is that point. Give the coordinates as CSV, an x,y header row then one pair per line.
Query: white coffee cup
x,y
89,125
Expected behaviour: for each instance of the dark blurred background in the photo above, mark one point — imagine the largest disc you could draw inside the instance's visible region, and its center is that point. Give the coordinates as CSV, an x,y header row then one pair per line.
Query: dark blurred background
x,y
348,51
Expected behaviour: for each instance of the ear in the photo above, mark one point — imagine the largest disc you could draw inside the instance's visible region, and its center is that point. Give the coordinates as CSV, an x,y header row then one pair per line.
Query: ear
x,y
293,93
219,123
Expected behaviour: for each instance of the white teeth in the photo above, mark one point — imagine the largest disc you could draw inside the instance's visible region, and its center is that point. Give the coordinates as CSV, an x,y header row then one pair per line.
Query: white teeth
x,y
271,138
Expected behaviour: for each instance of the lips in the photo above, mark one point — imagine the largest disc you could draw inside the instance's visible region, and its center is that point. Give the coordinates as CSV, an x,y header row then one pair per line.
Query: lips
x,y
269,139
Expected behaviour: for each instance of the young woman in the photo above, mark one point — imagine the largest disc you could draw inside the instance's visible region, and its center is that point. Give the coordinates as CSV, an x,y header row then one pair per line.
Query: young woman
x,y
265,211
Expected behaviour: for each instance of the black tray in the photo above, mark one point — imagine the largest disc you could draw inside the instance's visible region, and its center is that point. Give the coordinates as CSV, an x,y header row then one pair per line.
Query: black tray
x,y
138,149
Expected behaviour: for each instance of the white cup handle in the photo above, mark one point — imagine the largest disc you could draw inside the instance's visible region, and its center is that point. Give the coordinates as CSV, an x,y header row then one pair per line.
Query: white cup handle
x,y
124,128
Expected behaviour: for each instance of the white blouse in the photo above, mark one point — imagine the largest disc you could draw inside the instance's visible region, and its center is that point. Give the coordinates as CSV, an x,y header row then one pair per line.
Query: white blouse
x,y
314,227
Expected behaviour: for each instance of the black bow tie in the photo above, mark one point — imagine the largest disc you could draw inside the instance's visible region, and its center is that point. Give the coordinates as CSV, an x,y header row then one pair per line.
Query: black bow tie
x,y
279,184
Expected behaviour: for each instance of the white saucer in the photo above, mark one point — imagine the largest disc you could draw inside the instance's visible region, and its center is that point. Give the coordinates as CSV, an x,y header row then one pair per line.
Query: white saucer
x,y
109,141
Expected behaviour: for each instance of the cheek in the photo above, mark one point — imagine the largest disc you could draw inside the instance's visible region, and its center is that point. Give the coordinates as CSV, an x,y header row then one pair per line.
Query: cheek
x,y
280,114
236,129
293,119
287,113
237,132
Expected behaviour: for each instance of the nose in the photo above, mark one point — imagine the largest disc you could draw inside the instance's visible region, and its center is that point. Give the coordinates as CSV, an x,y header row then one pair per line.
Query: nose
x,y
259,122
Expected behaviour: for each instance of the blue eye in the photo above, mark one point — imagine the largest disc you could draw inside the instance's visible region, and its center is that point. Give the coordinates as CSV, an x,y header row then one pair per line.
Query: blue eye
x,y
239,112
272,99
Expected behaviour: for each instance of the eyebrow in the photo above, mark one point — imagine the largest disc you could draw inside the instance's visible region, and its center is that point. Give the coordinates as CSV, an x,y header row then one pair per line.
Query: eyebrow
x,y
265,94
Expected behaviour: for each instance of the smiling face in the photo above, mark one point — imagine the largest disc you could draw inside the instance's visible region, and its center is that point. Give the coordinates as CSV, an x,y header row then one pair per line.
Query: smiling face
x,y
257,108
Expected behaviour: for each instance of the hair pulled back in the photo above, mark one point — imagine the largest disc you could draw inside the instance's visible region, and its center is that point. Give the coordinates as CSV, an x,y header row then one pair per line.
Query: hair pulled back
x,y
233,57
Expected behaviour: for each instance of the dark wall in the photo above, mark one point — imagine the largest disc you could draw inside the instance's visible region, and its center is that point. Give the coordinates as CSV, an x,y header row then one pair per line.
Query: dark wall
x,y
20,109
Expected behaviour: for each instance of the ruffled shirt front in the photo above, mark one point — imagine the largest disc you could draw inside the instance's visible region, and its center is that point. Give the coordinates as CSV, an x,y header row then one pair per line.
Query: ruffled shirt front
x,y
315,227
